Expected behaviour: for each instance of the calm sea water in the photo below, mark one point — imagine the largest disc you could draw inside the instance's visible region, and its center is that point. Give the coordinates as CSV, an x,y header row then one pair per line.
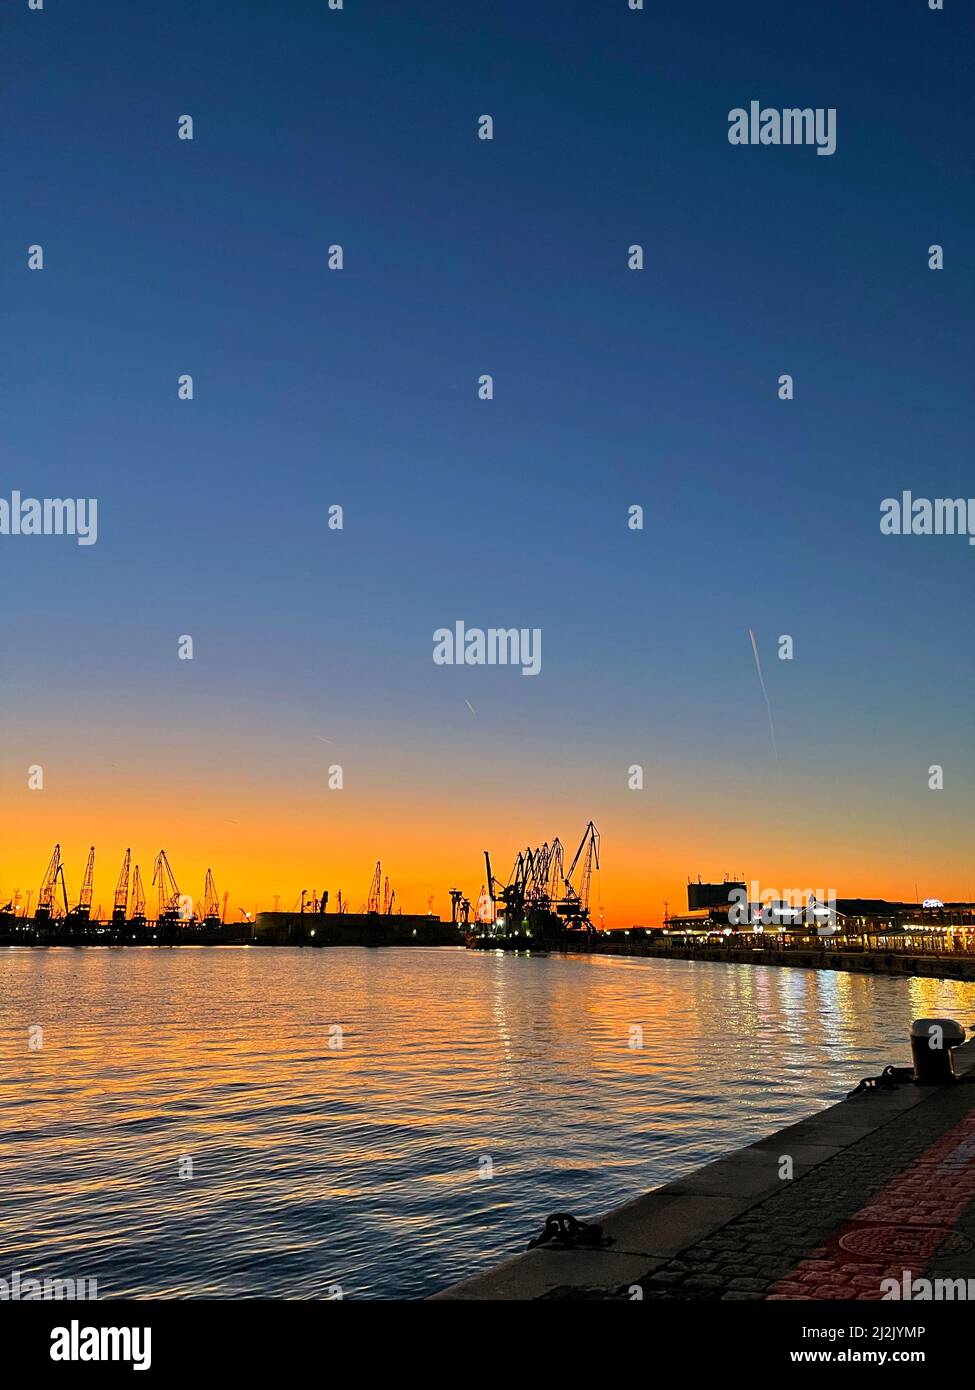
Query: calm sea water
x,y
363,1167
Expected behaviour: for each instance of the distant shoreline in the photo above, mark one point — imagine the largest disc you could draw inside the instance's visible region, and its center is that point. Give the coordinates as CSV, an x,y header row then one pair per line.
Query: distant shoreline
x,y
315,930
826,957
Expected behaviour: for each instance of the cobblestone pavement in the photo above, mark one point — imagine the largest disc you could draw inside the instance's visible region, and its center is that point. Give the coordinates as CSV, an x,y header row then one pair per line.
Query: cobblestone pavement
x,y
902,1198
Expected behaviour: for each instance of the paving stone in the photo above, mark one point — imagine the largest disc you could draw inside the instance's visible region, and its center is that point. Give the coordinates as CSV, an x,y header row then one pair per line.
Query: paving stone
x,y
704,1281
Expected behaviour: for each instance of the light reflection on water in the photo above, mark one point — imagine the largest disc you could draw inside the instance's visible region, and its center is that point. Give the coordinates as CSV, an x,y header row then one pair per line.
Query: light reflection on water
x,y
360,1167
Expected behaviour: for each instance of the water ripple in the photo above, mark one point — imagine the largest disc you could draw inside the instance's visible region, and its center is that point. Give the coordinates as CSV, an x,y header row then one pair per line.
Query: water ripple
x,y
190,1129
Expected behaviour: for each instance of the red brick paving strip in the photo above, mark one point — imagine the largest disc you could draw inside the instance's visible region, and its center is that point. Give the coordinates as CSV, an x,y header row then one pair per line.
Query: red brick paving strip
x,y
899,1229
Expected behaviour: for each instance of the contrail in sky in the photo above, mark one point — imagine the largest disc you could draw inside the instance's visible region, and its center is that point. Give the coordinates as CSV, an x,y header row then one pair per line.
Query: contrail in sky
x,y
768,704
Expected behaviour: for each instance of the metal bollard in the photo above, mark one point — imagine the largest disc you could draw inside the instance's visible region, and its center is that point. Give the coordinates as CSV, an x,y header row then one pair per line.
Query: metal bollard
x,y
932,1041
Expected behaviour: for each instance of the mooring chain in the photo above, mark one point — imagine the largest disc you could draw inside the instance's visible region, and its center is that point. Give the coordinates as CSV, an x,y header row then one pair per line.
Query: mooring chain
x,y
564,1231
890,1077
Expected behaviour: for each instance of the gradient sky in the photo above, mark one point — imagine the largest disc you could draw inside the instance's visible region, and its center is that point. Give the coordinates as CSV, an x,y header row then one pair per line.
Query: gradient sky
x,y
612,387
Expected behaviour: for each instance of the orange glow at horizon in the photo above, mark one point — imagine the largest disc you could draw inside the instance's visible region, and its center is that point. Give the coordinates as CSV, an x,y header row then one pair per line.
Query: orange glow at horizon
x,y
278,848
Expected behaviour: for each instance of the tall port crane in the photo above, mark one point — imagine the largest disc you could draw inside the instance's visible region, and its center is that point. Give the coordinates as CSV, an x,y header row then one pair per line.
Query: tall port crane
x,y
138,903
491,890
122,892
556,870
211,903
374,900
162,875
587,858
47,900
83,910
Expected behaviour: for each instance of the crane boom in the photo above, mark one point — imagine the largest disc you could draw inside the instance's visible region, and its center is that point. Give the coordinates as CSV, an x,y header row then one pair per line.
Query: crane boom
x,y
374,901
122,887
211,902
162,875
45,899
87,884
138,894
588,852
64,890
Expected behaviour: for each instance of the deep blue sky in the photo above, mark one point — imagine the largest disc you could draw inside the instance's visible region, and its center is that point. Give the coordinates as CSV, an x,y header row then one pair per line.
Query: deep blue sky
x,y
612,387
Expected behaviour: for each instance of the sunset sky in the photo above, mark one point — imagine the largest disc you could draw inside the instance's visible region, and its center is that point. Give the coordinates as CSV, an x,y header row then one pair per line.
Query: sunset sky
x,y
612,387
